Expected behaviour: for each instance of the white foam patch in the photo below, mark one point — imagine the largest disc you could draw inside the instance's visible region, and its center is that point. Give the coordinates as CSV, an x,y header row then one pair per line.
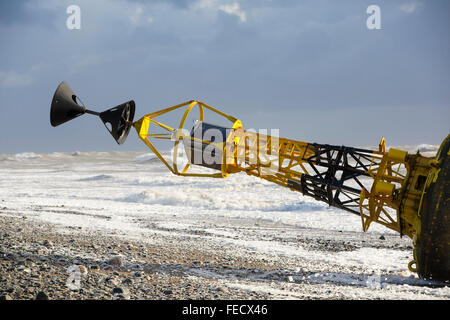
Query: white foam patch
x,y
27,156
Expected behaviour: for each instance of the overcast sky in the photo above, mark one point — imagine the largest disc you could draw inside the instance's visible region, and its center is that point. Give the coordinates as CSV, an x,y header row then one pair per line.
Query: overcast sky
x,y
310,68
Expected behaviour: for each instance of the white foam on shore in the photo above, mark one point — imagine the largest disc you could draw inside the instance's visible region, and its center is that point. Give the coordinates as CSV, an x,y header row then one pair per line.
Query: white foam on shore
x,y
27,156
134,195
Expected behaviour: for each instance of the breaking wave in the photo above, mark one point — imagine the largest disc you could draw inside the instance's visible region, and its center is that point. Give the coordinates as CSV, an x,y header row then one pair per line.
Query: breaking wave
x,y
97,178
147,158
27,156
210,201
428,150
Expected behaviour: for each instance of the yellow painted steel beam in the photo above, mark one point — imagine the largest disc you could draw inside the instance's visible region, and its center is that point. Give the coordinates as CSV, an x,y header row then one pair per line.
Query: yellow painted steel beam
x,y
392,198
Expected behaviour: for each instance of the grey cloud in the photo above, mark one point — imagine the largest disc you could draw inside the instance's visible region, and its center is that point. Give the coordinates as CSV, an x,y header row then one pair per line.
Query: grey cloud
x,y
311,65
13,12
12,78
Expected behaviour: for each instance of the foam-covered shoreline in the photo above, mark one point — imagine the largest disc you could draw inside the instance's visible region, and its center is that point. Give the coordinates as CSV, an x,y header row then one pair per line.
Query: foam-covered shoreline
x,y
248,237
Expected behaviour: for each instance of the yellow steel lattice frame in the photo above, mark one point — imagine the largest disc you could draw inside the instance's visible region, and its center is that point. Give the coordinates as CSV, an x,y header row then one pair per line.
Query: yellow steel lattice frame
x,y
256,154
142,127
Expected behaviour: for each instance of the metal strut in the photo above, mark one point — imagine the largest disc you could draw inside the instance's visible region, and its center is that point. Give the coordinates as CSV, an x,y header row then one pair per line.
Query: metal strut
x,y
338,185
